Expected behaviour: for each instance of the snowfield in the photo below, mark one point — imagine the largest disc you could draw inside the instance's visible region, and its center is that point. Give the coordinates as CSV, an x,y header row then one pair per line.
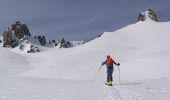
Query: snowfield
x,y
142,49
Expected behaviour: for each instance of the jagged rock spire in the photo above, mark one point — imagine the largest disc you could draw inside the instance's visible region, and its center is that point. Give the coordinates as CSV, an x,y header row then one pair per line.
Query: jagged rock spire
x,y
20,29
15,32
149,14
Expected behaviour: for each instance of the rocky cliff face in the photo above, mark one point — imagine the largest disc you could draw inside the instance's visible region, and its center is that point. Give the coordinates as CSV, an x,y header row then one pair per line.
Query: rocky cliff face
x,y
20,29
14,33
18,35
147,14
8,38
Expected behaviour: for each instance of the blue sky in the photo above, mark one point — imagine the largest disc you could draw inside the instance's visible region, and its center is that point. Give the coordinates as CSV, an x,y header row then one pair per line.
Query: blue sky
x,y
77,19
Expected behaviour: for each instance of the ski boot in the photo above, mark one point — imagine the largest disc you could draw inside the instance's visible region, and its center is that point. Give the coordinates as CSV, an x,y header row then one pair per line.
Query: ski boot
x,y
110,83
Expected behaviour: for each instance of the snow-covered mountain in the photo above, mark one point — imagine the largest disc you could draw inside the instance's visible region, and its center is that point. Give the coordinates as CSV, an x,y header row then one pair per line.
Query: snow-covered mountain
x,y
18,36
142,49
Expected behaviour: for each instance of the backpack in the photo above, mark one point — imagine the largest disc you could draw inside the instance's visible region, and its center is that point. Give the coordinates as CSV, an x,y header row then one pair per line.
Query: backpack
x,y
109,61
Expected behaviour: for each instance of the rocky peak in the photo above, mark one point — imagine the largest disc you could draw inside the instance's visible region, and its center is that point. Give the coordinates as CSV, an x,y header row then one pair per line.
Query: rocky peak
x,y
18,36
20,29
147,15
14,33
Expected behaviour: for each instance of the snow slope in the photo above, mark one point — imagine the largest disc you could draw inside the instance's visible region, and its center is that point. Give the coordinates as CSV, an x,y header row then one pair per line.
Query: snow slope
x,y
69,74
141,48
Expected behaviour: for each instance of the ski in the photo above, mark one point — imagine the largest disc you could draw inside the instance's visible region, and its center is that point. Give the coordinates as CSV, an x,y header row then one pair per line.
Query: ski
x,y
108,84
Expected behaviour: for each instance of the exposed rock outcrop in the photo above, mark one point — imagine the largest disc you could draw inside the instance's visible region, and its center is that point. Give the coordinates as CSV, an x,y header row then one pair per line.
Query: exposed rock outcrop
x,y
147,14
28,47
41,39
20,30
12,36
18,35
68,44
9,39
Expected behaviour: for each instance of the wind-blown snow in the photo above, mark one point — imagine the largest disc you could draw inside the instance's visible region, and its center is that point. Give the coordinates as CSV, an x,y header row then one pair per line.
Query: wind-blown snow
x,y
142,49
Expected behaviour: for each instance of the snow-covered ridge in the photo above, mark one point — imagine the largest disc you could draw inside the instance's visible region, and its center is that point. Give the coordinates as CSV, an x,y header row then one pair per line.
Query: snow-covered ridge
x,y
141,48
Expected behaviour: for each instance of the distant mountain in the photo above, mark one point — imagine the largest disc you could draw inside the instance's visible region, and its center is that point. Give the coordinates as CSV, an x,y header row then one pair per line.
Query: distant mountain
x,y
18,36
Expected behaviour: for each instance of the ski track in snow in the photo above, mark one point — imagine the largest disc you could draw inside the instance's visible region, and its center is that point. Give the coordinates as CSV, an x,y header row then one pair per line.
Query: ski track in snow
x,y
143,90
114,93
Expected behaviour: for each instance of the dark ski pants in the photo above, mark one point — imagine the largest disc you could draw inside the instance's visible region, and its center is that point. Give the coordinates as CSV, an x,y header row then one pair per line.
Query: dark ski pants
x,y
109,74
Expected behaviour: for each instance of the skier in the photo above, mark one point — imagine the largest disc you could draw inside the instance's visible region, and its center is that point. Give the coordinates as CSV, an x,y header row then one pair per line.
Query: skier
x,y
109,63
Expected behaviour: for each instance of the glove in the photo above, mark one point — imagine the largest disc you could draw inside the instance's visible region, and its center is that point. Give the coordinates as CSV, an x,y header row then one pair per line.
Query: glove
x,y
118,64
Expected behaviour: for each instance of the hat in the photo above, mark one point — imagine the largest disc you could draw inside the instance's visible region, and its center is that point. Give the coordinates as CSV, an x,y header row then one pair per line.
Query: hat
x,y
108,56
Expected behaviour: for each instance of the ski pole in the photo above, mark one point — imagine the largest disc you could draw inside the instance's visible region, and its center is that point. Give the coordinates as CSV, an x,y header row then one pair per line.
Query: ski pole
x,y
119,75
98,71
